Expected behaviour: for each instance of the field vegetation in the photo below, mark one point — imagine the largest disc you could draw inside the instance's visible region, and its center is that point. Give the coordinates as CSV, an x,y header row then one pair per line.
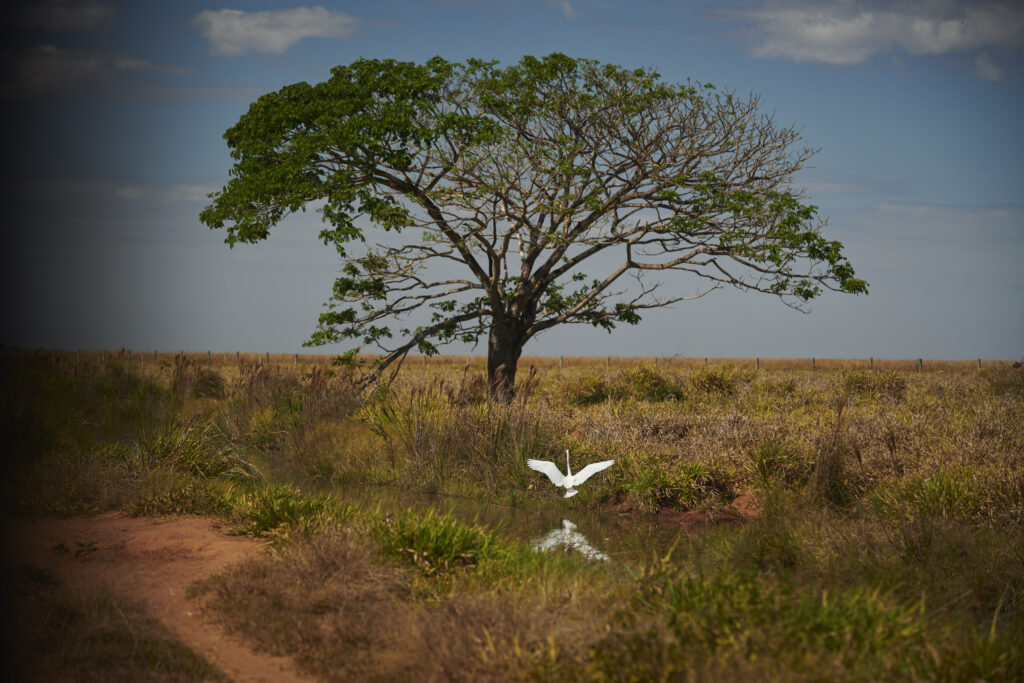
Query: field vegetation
x,y
890,543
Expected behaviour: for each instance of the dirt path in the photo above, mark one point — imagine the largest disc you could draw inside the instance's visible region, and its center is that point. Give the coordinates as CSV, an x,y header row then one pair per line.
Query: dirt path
x,y
153,562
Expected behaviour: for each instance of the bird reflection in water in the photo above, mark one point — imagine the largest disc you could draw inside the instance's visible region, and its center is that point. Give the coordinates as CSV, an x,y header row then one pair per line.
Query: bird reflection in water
x,y
569,538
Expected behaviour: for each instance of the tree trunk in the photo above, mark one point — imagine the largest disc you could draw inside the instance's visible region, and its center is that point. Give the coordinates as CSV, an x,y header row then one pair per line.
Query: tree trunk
x,y
503,349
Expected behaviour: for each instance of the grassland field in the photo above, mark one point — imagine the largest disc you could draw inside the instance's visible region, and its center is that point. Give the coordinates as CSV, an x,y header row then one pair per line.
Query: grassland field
x,y
890,544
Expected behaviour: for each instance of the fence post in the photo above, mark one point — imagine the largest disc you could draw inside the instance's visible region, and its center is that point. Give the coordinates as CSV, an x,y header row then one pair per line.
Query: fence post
x,y
559,363
103,358
871,363
268,357
920,365
296,360
705,362
209,358
812,363
979,364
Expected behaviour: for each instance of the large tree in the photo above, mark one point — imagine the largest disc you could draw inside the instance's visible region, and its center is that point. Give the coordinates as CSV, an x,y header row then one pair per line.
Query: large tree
x,y
501,185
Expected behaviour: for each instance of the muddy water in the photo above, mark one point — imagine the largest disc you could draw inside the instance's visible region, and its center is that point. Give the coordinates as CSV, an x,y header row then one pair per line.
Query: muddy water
x,y
555,525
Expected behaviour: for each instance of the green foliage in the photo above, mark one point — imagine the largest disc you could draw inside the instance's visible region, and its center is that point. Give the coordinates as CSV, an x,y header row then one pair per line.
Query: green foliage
x,y
279,509
188,498
955,492
434,543
550,156
729,624
653,485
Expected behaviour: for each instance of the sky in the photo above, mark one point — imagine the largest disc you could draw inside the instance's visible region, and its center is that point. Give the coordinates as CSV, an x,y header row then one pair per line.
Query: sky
x,y
115,113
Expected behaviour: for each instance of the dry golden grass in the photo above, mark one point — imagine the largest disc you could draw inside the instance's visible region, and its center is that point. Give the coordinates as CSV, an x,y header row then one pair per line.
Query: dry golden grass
x,y
889,545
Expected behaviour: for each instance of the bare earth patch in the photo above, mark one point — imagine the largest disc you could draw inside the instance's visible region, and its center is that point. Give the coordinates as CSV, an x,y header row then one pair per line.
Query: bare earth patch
x,y
693,522
152,562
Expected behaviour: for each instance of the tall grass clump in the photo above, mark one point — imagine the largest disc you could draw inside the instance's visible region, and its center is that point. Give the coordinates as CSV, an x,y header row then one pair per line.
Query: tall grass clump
x,y
434,440
280,510
637,384
200,449
652,486
832,480
433,543
190,379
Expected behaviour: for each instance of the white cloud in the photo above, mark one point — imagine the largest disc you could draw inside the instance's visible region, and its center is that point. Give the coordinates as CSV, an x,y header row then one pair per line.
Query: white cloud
x,y
232,32
565,6
985,68
851,31
65,15
47,69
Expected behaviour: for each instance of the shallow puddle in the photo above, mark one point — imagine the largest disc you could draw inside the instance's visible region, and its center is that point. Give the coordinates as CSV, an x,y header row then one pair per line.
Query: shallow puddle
x,y
557,525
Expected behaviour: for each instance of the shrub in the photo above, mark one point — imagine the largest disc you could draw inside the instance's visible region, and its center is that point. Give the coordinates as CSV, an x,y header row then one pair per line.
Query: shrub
x,y
647,384
588,390
714,380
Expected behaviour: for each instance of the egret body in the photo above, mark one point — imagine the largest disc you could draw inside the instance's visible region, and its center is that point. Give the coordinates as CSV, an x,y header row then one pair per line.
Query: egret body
x,y
568,480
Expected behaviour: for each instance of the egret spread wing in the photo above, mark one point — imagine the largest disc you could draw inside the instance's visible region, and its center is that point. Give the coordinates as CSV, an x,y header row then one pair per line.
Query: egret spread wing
x,y
548,468
592,469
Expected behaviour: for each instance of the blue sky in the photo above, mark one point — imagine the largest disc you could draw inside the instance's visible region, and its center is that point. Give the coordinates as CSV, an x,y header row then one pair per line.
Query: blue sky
x,y
115,112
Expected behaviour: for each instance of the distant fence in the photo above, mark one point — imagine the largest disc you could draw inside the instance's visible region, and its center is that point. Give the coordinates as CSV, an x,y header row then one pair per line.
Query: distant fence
x,y
221,358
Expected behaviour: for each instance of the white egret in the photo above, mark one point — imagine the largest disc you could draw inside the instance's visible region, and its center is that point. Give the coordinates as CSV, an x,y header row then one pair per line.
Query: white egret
x,y
569,480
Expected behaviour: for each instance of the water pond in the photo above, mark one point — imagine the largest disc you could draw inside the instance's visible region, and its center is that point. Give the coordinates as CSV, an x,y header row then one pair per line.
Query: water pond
x,y
556,525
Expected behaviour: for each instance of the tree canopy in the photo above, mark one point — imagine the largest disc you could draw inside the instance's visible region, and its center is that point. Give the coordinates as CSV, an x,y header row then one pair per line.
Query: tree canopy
x,y
503,187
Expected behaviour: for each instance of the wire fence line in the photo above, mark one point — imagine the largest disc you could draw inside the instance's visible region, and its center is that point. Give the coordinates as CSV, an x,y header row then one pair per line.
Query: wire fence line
x,y
159,358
